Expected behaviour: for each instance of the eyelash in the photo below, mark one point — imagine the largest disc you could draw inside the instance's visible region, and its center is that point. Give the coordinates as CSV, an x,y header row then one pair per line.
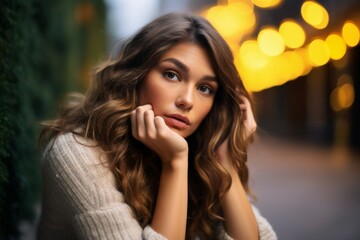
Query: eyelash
x,y
208,88
166,75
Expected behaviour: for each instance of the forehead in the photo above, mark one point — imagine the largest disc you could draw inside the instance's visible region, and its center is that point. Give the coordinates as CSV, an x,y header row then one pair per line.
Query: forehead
x,y
190,54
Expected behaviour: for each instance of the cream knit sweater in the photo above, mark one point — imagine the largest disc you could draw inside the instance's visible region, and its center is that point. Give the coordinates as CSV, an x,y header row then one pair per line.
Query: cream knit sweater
x,y
81,201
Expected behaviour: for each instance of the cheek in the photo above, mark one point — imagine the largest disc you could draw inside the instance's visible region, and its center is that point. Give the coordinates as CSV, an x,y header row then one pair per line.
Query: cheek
x,y
204,110
148,90
156,95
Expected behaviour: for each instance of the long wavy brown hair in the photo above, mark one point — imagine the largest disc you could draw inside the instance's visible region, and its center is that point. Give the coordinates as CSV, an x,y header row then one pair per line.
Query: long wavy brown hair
x,y
103,115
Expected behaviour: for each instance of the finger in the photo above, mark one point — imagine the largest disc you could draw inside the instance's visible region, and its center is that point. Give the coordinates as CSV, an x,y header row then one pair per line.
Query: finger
x,y
160,125
246,107
245,101
249,119
140,122
133,123
240,91
149,123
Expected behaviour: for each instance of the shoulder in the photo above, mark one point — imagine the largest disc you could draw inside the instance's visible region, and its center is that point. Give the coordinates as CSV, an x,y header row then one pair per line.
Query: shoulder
x,y
65,143
69,149
69,153
78,169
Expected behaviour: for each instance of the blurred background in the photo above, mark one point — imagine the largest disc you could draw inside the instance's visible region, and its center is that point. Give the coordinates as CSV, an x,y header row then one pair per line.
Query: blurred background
x,y
299,59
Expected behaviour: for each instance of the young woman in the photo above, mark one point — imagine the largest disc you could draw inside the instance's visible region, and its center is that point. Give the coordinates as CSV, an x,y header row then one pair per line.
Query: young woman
x,y
157,147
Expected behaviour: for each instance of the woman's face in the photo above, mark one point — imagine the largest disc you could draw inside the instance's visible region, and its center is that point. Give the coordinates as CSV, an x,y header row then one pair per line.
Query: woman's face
x,y
181,87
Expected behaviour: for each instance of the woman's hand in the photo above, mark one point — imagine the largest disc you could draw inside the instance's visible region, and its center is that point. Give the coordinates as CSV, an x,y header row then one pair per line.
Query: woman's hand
x,y
240,221
169,217
249,120
155,134
250,127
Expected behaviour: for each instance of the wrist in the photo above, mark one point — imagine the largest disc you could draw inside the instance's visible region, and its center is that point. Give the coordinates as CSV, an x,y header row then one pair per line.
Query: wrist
x,y
179,162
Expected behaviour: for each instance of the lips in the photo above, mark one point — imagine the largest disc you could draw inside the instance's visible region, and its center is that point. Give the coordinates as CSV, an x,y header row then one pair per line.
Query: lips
x,y
177,121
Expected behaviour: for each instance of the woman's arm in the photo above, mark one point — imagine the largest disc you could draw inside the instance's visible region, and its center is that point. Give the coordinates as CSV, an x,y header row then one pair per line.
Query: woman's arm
x,y
239,217
169,217
240,221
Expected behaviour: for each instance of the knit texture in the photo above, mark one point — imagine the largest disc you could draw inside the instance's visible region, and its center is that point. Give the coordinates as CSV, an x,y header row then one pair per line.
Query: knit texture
x,y
81,200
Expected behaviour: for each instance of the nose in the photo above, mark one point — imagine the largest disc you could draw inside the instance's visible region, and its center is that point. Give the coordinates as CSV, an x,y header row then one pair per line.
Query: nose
x,y
185,99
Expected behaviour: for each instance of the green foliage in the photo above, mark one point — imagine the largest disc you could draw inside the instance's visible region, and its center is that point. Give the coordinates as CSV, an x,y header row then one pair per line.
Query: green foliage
x,y
19,168
46,48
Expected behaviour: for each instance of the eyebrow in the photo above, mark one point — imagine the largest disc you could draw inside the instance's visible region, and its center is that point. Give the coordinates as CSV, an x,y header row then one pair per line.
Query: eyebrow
x,y
184,68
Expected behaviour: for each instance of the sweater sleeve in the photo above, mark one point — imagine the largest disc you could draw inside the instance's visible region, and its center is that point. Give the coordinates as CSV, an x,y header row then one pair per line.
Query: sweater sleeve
x,y
266,232
81,178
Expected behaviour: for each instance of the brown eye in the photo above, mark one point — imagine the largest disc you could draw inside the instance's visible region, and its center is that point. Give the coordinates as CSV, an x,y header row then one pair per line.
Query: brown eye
x,y
171,76
206,89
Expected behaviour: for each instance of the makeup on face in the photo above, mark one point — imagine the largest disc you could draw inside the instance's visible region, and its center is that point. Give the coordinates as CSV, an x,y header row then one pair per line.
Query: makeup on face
x,y
181,88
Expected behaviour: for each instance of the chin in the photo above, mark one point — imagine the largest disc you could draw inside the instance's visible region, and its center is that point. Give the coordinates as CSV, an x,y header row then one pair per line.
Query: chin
x,y
181,133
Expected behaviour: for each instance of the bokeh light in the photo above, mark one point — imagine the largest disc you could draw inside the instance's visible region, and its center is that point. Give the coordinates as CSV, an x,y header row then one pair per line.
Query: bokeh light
x,y
350,34
318,52
271,42
233,20
342,97
292,33
336,46
295,65
251,56
278,54
315,14
267,3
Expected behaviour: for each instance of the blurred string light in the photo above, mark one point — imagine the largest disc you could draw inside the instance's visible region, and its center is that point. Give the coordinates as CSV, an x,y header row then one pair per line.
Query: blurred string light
x,y
318,53
251,56
277,55
293,34
271,42
350,34
267,3
342,97
232,20
336,46
315,14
